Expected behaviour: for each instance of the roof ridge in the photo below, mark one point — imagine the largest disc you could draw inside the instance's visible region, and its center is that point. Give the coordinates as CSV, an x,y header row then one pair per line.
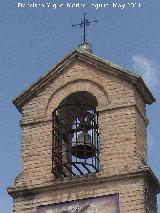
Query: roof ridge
x,y
66,60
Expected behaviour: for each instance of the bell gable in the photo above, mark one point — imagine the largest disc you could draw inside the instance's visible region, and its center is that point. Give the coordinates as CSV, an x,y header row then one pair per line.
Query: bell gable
x,y
84,60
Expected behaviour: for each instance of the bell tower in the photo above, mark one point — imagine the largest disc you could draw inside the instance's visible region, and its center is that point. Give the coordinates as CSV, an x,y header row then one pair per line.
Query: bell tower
x,y
84,140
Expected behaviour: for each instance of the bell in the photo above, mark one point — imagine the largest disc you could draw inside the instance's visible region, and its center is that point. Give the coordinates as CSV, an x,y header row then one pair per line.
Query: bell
x,y
83,148
86,121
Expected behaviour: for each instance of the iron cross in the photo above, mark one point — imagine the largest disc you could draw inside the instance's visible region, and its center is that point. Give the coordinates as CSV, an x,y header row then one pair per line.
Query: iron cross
x,y
83,24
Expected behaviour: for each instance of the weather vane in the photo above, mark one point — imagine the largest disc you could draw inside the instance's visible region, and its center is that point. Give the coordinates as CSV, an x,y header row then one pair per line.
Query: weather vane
x,y
83,24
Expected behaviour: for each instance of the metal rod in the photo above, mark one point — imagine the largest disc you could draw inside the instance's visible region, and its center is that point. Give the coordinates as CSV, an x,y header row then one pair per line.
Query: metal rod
x,y
83,24
84,35
76,167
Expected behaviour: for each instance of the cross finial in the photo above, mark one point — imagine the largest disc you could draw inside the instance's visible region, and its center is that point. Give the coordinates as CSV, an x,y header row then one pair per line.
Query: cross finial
x,y
83,24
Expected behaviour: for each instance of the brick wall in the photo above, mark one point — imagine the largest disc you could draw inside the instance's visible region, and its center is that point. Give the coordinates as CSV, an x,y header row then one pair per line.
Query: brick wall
x,y
131,194
122,124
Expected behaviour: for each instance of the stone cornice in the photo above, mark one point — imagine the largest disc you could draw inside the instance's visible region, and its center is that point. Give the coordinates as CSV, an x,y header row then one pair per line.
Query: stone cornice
x,y
91,179
109,107
117,107
89,59
35,121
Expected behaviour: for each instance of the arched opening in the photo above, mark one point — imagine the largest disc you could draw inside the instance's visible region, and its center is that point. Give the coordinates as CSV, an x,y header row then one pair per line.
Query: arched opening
x,y
75,136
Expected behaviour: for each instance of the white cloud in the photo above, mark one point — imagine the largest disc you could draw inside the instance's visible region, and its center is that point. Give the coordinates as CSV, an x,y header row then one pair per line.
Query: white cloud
x,y
148,70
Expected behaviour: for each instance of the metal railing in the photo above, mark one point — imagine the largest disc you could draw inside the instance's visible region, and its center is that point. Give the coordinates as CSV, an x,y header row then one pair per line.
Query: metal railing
x,y
75,148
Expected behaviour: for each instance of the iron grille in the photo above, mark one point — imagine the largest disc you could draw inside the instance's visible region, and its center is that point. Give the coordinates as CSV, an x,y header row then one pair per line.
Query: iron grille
x,y
75,148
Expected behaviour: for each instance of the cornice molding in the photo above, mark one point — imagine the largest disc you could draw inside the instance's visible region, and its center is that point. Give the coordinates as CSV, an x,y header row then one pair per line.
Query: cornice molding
x,y
90,59
91,179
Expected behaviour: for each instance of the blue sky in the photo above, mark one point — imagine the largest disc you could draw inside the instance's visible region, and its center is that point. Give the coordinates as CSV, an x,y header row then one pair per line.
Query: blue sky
x,y
33,39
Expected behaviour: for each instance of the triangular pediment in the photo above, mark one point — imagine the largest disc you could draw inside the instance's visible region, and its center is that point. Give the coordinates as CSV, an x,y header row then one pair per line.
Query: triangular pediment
x,y
89,59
